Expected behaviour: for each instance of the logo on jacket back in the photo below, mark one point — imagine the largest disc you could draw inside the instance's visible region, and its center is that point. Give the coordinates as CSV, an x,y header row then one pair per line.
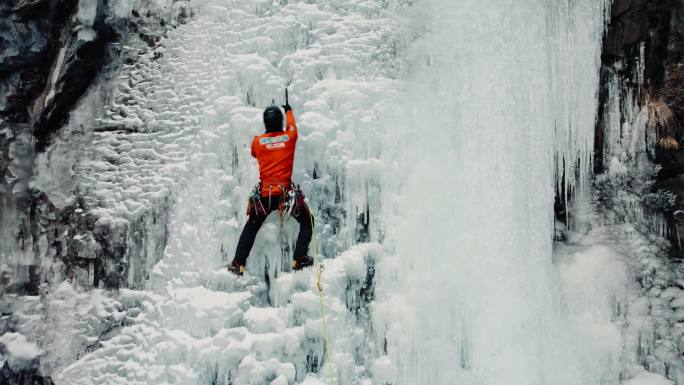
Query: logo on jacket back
x,y
274,142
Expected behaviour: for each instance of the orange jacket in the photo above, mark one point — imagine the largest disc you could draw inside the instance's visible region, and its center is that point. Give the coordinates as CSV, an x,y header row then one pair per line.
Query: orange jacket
x,y
275,153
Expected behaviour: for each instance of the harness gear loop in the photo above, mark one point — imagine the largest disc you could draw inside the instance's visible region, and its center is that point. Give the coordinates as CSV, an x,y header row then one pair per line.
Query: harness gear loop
x,y
282,203
254,202
289,201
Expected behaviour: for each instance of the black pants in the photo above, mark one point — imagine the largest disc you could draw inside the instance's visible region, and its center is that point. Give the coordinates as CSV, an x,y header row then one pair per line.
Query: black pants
x,y
300,212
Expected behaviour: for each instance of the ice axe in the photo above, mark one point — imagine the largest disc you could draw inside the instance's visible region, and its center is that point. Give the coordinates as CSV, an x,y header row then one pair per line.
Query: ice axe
x,y
287,99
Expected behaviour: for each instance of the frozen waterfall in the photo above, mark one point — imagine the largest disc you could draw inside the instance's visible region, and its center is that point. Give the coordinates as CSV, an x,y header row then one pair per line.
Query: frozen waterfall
x,y
434,136
500,104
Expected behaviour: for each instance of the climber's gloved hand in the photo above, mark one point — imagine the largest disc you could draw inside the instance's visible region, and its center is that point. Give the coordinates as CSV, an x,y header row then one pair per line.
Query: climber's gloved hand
x,y
287,107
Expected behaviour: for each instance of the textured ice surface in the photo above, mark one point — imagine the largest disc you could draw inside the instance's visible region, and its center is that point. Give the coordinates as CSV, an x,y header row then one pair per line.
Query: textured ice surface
x,y
197,335
623,297
178,130
464,169
66,322
193,102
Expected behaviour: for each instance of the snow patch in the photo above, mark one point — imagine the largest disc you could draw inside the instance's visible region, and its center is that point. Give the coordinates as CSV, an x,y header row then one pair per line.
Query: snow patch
x,y
87,12
647,378
18,351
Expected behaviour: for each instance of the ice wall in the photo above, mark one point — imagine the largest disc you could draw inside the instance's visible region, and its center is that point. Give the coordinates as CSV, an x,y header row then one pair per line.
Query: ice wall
x,y
183,120
501,104
455,176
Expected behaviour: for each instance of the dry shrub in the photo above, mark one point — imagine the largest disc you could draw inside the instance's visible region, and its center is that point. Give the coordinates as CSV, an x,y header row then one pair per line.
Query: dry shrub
x,y
660,115
668,143
666,109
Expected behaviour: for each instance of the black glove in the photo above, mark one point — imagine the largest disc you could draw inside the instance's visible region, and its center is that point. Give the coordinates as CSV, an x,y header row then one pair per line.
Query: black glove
x,y
287,107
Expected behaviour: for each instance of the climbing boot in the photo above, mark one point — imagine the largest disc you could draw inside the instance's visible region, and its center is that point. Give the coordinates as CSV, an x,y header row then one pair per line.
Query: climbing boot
x,y
300,263
236,269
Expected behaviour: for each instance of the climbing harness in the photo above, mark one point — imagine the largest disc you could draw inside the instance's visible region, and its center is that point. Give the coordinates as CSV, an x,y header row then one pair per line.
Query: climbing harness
x,y
289,201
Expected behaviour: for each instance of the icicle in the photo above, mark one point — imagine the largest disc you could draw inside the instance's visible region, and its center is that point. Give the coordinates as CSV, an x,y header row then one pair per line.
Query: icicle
x,y
506,108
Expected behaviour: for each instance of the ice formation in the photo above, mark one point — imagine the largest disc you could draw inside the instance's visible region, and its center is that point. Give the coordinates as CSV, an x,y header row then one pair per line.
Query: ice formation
x,y
433,137
475,296
176,134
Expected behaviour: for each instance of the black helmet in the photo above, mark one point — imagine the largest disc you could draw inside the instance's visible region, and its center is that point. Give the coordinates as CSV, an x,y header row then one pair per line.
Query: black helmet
x,y
273,119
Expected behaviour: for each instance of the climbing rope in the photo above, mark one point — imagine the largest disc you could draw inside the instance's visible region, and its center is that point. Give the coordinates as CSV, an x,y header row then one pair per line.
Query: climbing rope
x,y
324,318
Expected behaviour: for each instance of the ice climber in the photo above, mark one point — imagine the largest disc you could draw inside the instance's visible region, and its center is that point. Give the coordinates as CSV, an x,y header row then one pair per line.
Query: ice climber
x,y
274,151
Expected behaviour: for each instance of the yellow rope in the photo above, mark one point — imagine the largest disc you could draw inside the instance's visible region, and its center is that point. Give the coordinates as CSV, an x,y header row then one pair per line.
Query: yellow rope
x,y
328,346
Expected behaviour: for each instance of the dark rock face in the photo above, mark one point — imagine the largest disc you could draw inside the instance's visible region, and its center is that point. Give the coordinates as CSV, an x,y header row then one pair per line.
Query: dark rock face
x,y
47,61
95,253
671,176
629,24
643,46
676,46
24,377
50,57
633,23
29,38
51,54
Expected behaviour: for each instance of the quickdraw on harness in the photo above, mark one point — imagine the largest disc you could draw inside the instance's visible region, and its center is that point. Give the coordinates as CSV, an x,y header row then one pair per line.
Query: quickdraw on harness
x,y
289,201
254,204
